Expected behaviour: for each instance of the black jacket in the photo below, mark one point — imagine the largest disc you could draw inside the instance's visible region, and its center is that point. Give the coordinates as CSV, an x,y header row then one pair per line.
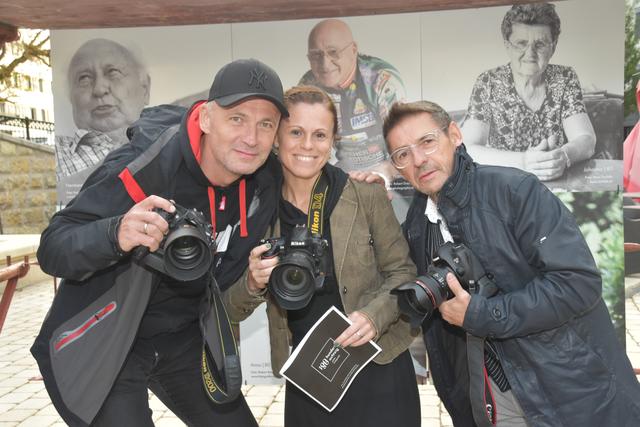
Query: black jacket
x,y
549,323
102,298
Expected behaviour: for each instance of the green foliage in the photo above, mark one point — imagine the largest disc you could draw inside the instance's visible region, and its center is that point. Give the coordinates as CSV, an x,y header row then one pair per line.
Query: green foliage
x,y
599,216
611,264
631,58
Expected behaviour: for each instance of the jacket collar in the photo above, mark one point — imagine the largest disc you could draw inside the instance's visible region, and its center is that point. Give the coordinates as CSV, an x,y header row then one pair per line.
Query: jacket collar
x,y
457,188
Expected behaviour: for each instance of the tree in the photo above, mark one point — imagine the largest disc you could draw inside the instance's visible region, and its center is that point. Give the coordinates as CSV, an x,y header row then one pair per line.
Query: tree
x,y
34,48
631,58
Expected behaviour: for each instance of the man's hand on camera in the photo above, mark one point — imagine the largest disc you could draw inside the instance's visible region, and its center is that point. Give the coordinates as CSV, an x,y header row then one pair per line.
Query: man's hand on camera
x,y
141,226
453,310
260,269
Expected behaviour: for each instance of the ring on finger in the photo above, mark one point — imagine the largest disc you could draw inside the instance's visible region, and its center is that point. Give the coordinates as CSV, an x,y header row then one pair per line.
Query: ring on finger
x,y
146,224
358,334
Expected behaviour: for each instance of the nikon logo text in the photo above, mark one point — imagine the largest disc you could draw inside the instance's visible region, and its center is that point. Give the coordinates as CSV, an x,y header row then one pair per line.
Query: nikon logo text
x,y
316,205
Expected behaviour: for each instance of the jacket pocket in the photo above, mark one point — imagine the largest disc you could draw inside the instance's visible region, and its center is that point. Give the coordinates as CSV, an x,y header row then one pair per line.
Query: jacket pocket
x,y
572,374
364,252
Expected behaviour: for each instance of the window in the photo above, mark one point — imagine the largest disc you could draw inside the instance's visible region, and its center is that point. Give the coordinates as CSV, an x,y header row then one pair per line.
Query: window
x,y
34,114
15,49
41,85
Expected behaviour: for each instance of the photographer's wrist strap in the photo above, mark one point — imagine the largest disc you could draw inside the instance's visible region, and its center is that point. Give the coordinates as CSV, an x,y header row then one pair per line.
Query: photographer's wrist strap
x,y
315,218
220,366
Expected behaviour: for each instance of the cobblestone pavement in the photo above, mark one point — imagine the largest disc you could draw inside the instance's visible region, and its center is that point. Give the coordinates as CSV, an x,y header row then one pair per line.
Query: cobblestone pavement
x,y
25,402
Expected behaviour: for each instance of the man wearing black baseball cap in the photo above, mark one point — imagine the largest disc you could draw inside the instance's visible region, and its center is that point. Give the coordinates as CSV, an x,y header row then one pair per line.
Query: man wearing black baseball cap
x,y
118,327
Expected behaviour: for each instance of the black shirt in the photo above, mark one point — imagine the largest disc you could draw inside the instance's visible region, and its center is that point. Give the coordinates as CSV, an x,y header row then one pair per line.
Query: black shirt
x,y
175,305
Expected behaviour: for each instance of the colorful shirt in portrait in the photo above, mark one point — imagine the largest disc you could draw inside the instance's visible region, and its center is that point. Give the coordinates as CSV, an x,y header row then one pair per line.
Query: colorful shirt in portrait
x,y
362,107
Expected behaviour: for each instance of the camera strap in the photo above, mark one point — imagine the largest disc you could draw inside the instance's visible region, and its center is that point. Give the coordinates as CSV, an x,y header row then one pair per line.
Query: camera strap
x,y
315,219
220,366
483,404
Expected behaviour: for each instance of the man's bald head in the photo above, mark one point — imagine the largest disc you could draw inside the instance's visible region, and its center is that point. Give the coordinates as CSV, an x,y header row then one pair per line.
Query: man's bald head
x,y
108,86
332,52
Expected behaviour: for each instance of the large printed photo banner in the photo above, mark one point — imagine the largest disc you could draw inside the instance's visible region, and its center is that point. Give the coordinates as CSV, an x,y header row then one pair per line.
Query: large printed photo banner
x,y
525,96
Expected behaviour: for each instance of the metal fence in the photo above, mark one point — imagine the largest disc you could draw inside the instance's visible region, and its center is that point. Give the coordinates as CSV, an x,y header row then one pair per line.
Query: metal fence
x,y
26,128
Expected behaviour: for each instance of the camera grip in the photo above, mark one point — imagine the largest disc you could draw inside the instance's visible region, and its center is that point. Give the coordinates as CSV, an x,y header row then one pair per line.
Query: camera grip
x,y
272,251
140,252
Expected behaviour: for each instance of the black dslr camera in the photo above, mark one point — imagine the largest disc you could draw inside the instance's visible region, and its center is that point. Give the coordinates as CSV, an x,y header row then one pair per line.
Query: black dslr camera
x,y
303,264
186,252
419,298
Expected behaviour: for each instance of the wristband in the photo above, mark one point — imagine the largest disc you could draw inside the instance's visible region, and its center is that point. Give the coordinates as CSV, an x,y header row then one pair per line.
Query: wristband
x,y
114,226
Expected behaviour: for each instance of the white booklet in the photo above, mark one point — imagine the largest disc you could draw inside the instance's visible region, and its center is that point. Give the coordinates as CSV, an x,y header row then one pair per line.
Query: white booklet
x,y
321,369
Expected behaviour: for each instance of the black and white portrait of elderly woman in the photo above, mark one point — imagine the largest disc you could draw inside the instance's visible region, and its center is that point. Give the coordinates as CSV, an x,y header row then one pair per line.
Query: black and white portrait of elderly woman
x,y
529,113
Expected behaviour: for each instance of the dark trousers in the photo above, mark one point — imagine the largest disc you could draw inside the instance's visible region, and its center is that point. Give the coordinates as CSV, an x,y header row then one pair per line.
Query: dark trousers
x,y
168,365
380,396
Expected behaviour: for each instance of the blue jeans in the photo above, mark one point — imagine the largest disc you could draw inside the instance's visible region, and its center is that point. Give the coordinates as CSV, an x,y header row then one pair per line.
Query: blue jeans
x,y
168,365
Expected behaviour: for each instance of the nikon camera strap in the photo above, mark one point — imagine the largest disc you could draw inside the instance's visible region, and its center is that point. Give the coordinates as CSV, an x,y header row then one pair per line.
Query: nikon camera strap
x,y
220,365
315,219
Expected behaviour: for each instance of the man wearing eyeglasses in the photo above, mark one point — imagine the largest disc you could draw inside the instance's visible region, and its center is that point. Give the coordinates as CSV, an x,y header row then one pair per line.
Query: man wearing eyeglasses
x,y
543,350
363,89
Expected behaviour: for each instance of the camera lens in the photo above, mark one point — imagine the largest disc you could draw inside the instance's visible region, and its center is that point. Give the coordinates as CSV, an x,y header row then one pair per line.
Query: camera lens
x,y
419,298
294,276
292,282
187,256
186,251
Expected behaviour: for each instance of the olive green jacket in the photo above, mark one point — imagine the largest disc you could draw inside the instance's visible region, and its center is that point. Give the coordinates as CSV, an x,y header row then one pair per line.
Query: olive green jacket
x,y
371,257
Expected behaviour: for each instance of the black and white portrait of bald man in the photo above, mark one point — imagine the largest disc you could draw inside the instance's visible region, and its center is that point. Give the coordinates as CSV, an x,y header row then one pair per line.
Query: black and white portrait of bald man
x,y
108,88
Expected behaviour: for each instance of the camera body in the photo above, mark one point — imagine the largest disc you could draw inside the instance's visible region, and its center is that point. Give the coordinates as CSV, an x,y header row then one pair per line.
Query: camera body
x,y
419,298
187,250
304,262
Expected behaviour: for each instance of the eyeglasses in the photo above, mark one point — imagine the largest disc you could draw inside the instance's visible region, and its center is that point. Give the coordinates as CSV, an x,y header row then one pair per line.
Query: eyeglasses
x,y
316,55
428,144
539,46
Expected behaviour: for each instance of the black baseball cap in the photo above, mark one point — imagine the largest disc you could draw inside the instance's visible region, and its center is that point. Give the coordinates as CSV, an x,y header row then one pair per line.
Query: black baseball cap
x,y
247,78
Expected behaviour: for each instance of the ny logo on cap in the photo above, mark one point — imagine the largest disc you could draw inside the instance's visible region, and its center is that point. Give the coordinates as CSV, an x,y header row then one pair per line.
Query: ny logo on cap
x,y
257,78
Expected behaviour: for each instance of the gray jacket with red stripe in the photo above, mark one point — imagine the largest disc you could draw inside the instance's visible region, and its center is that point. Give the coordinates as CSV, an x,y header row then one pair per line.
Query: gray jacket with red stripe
x,y
95,314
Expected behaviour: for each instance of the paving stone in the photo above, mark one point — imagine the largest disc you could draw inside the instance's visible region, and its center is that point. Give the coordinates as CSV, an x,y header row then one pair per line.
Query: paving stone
x,y
14,397
14,382
262,401
258,411
165,422
25,402
4,407
272,421
16,415
276,408
264,390
36,404
39,421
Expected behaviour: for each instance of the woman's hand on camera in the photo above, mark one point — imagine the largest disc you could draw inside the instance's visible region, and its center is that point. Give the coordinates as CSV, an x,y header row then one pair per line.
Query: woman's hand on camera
x,y
260,269
141,226
360,332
